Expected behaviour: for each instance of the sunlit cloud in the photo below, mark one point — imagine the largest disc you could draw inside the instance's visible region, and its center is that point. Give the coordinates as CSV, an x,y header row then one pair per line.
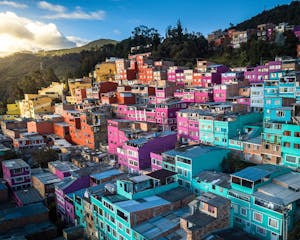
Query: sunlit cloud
x,y
62,12
13,4
23,34
78,14
51,7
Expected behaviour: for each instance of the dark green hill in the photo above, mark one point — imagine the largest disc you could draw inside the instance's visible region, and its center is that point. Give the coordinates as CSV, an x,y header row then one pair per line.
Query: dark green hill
x,y
283,13
90,46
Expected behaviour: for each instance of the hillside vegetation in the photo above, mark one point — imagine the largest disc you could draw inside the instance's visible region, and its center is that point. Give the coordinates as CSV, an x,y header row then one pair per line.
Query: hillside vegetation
x,y
178,45
283,13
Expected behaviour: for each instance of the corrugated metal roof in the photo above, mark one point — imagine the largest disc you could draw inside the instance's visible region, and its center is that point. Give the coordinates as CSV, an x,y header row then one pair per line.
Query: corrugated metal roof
x,y
257,172
106,174
154,227
286,195
146,203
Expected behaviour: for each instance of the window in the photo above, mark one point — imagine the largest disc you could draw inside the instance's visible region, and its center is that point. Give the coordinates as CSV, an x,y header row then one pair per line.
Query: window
x,y
287,133
120,225
260,231
19,179
122,215
290,159
244,211
273,222
297,145
280,113
297,134
211,209
257,217
286,144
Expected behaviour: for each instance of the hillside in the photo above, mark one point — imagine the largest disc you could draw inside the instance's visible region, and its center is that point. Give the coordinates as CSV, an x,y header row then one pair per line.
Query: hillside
x,y
284,13
90,46
20,69
64,62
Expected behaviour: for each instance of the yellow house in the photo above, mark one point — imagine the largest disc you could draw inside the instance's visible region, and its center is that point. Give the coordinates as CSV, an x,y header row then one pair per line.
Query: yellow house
x,y
105,71
35,104
81,83
55,90
71,99
13,108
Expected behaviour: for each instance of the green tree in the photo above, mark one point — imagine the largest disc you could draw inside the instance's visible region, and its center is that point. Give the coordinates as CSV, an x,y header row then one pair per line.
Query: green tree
x,y
233,162
41,157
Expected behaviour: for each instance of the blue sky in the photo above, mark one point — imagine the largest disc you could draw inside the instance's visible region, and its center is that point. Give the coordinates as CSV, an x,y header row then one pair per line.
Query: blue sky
x,y
115,19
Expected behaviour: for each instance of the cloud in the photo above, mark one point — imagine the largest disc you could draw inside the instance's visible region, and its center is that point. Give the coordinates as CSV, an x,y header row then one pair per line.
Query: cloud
x,y
13,4
51,7
23,34
78,41
78,14
63,13
117,31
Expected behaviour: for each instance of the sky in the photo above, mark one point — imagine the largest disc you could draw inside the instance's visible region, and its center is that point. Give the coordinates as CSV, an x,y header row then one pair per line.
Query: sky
x,y
31,25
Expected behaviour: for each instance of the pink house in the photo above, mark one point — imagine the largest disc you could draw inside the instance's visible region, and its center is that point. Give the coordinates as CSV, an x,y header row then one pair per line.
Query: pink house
x,y
188,125
195,95
163,113
166,112
225,91
244,101
62,169
156,161
135,154
121,130
165,91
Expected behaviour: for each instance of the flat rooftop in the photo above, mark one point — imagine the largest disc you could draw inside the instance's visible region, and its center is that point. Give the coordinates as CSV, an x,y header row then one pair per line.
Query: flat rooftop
x,y
154,227
230,234
215,178
64,166
192,151
28,196
15,164
141,204
199,220
106,174
258,172
47,178
175,194
11,214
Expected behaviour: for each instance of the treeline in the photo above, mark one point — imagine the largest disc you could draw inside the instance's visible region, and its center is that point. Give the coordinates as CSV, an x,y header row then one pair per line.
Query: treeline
x,y
177,45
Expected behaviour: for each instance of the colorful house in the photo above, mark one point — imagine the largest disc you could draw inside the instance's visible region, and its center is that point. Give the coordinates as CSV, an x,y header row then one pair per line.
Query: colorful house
x,y
135,153
17,174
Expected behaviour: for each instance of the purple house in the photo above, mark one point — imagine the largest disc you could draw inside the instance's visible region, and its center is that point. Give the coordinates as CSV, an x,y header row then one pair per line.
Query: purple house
x,y
260,73
297,31
78,180
17,174
135,154
231,77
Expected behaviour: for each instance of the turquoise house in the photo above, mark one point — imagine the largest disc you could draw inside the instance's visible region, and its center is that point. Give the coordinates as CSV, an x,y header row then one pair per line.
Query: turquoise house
x,y
219,131
136,200
191,160
265,199
290,145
